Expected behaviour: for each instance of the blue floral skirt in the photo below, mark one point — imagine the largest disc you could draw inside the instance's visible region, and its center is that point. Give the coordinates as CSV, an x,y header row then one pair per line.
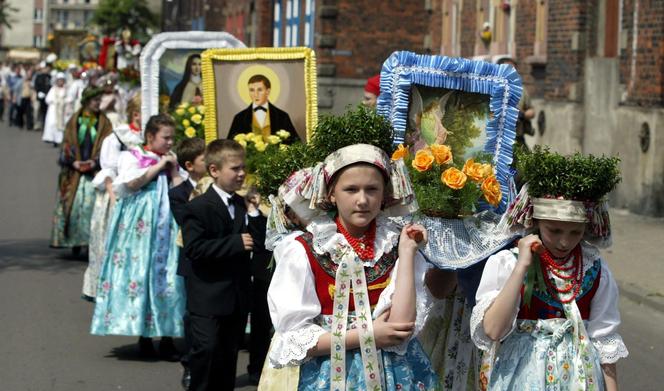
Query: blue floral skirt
x,y
138,292
411,371
539,356
78,233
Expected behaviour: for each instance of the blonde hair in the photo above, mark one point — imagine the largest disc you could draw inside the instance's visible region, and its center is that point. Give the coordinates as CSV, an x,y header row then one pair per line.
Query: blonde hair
x,y
219,150
133,106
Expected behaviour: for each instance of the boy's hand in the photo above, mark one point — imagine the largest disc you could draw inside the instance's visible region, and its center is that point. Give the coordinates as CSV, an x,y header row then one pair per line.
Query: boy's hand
x,y
248,242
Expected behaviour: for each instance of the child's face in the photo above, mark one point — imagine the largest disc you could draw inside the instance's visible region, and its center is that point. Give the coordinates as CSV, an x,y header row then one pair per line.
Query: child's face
x,y
358,194
560,237
197,168
162,141
230,176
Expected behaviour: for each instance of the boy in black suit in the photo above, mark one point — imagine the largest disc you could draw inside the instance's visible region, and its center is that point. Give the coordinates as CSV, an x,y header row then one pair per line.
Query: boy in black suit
x,y
191,157
218,241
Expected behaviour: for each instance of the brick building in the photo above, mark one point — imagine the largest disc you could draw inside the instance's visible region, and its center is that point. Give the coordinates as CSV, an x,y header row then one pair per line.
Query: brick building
x,y
592,67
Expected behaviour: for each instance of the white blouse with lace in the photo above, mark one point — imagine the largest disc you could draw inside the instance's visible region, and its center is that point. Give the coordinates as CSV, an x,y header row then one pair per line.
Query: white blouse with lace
x,y
294,306
602,325
109,155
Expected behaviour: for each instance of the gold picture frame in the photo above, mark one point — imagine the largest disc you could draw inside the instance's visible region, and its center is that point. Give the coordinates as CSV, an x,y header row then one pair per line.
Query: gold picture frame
x,y
225,74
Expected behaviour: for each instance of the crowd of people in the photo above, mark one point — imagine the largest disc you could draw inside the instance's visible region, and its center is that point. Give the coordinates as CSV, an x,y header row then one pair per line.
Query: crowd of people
x,y
175,252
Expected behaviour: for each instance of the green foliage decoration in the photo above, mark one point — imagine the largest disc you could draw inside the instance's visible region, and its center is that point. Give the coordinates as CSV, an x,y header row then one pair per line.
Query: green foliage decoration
x,y
575,177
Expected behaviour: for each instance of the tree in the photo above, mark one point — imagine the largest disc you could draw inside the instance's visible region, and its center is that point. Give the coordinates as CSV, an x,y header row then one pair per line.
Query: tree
x,y
5,14
114,15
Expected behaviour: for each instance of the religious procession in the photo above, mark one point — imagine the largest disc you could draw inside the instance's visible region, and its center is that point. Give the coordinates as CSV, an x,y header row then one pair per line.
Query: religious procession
x,y
232,208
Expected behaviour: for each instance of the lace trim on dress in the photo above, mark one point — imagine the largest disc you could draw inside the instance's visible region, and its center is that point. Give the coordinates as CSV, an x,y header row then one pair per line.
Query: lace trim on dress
x,y
326,239
290,348
610,348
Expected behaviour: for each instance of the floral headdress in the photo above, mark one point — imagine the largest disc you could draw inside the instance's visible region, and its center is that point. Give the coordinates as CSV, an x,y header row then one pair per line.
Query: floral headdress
x,y
564,188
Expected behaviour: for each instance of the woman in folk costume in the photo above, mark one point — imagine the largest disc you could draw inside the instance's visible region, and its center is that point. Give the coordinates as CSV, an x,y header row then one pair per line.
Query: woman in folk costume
x,y
552,301
138,290
354,251
54,124
124,137
79,159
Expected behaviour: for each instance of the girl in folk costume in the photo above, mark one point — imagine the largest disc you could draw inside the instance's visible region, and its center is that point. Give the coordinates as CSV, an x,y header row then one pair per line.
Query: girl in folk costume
x,y
552,301
123,138
79,159
366,342
54,124
138,291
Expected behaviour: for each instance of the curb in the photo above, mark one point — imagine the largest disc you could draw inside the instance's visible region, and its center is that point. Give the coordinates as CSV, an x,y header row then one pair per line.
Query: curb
x,y
641,296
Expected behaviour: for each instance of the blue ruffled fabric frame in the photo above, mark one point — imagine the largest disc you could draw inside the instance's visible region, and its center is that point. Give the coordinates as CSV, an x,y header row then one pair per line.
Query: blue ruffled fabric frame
x,y
501,82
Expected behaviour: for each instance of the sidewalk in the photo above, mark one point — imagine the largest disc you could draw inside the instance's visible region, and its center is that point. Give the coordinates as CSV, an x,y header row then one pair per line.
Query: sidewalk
x,y
635,259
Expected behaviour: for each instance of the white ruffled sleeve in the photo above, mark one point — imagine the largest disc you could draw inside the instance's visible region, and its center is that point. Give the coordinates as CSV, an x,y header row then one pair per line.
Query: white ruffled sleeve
x,y
604,320
128,170
423,300
293,306
497,270
108,160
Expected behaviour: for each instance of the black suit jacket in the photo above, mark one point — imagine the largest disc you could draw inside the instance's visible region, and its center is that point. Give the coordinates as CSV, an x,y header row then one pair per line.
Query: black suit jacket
x,y
219,282
178,197
279,119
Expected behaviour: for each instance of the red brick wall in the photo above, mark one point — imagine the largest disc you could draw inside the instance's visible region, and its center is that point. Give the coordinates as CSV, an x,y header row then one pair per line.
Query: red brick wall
x,y
371,31
647,87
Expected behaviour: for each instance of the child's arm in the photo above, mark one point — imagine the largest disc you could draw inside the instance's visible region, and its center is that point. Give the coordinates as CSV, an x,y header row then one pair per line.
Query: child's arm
x,y
610,373
403,309
199,247
152,172
500,315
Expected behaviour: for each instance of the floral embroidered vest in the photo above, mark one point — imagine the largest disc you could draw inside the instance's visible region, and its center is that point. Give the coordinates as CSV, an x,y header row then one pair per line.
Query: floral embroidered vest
x,y
544,306
324,269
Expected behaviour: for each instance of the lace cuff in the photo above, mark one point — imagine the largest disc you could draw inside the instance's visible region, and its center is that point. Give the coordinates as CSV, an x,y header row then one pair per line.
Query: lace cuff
x,y
290,348
481,340
610,348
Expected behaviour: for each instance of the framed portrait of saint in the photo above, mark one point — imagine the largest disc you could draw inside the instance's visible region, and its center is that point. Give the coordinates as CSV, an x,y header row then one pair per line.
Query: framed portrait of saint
x,y
261,91
171,69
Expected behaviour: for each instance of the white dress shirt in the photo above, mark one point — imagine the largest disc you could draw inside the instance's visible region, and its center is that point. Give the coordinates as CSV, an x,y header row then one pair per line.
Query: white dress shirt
x,y
260,114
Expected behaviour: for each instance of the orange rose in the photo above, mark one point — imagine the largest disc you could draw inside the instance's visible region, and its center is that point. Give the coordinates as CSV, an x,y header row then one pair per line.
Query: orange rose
x,y
423,160
454,178
491,190
442,153
487,170
400,153
474,170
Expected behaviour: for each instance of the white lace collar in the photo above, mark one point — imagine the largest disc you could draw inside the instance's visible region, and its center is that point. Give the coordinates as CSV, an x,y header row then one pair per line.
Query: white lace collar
x,y
128,137
326,239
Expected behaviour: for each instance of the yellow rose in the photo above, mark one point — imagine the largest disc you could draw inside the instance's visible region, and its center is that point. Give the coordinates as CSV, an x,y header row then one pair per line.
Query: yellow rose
x,y
192,110
400,153
240,137
487,170
475,171
185,122
423,160
242,142
453,178
252,137
201,109
441,153
196,118
273,139
260,146
190,132
283,134
283,147
491,190
179,111
184,105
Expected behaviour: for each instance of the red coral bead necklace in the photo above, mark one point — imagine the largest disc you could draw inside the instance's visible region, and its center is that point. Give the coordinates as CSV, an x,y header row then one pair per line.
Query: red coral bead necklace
x,y
364,245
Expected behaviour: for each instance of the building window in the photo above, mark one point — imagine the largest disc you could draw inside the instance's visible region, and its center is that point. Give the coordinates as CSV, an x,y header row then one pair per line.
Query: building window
x,y
39,14
292,22
37,41
541,16
309,13
276,33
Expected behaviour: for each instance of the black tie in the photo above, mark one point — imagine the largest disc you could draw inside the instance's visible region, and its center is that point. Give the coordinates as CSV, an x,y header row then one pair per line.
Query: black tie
x,y
260,108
